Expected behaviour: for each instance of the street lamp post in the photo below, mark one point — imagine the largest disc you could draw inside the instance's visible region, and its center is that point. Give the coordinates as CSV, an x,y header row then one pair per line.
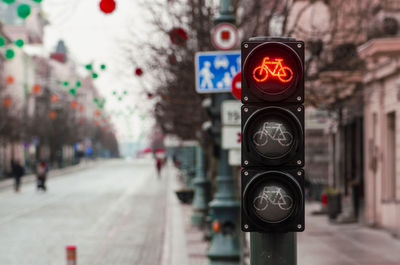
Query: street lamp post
x,y
225,12
224,209
200,184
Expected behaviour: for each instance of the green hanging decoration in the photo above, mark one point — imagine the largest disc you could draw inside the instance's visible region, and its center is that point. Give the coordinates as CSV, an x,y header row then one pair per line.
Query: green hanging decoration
x,y
65,83
103,67
120,98
114,92
2,41
101,104
125,92
72,91
9,54
88,66
78,83
8,1
23,11
19,43
37,1
95,75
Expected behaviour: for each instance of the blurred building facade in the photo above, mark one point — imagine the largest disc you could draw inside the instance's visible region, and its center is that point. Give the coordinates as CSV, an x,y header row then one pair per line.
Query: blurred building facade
x,y
360,86
382,131
48,110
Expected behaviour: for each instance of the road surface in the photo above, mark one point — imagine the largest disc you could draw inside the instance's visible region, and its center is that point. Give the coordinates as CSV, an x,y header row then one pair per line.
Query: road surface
x,y
114,212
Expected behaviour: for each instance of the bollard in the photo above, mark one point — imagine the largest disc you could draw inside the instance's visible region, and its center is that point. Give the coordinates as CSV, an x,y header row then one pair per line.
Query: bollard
x,y
71,255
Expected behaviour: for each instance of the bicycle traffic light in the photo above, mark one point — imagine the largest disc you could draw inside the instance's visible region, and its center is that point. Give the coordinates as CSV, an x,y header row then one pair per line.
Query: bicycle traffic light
x,y
272,135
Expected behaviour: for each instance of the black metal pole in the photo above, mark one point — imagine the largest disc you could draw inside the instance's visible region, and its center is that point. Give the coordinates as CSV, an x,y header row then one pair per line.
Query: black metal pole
x,y
273,248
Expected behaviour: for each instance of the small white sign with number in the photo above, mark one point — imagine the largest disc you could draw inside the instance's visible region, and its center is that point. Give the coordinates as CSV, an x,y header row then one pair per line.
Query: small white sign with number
x,y
231,137
234,157
231,112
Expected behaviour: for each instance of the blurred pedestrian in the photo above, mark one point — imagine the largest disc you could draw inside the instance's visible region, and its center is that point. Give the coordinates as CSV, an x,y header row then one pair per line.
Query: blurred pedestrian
x,y
159,164
17,171
41,175
175,160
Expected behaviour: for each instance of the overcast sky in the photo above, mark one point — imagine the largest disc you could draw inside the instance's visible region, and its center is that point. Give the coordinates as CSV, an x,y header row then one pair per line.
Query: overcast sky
x,y
94,37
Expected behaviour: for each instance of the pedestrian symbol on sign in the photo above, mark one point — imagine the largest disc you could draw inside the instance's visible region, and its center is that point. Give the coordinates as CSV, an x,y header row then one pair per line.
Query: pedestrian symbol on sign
x,y
207,76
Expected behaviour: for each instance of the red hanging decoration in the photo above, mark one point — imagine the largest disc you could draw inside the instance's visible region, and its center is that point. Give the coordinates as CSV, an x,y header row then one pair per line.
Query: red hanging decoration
x,y
7,102
52,114
10,80
54,98
74,104
138,71
81,108
178,36
107,6
36,89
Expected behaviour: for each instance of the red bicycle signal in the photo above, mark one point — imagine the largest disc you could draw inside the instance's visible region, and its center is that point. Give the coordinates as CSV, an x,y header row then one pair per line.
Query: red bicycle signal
x,y
272,71
274,68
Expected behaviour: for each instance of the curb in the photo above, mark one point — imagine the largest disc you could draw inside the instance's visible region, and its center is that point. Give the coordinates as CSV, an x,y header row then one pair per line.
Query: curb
x,y
174,249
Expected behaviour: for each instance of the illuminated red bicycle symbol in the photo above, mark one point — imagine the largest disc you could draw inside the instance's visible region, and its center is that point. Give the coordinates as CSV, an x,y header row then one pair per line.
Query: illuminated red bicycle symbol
x,y
275,68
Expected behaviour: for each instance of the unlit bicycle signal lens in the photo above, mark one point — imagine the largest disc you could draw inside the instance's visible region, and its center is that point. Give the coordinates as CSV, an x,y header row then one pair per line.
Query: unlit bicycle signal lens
x,y
272,136
272,200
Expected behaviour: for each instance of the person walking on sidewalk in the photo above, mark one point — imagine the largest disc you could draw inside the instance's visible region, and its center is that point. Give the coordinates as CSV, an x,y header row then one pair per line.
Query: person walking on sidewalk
x,y
159,165
18,172
41,174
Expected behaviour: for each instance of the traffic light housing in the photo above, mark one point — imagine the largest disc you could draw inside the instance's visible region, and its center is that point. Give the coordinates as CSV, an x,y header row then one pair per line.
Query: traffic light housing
x,y
272,135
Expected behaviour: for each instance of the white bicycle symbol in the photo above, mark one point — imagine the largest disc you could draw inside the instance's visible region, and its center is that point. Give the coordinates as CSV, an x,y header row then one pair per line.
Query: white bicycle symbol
x,y
274,131
261,202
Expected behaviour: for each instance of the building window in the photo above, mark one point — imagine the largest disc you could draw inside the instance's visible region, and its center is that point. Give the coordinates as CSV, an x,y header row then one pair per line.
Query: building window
x,y
391,156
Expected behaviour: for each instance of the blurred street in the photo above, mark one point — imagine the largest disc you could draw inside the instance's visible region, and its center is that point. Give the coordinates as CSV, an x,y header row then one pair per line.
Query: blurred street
x,y
246,132
117,212
113,212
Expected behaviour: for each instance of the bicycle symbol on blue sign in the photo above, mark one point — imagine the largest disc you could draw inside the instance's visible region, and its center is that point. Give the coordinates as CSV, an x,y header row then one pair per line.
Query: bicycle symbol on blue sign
x,y
215,71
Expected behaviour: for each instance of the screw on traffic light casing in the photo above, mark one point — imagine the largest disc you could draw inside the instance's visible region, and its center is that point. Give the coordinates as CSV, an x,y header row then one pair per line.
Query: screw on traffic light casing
x,y
272,135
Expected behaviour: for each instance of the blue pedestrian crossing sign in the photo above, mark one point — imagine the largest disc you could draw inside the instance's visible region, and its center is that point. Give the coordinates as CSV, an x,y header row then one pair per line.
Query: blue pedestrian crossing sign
x,y
215,71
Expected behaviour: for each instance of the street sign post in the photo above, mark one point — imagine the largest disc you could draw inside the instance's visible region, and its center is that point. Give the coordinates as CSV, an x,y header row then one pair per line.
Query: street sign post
x,y
215,70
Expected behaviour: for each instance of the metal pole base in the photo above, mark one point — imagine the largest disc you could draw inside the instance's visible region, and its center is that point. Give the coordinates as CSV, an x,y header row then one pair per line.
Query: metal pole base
x,y
273,248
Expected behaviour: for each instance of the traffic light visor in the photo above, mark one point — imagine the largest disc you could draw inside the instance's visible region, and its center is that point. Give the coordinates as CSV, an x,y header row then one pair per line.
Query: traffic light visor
x,y
273,71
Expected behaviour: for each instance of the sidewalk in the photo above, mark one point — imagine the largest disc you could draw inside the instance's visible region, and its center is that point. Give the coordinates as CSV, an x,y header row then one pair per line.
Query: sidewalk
x,y
9,182
322,243
183,242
